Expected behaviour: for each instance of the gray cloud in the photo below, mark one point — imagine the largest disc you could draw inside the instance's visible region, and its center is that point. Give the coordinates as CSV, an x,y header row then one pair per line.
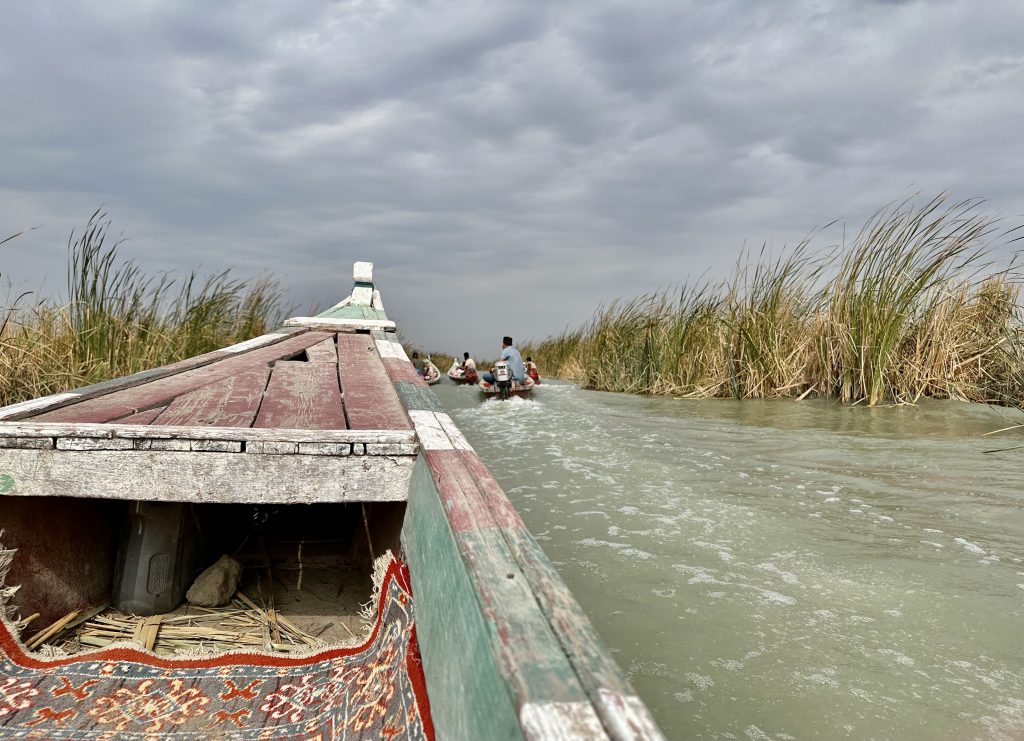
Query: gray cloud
x,y
506,165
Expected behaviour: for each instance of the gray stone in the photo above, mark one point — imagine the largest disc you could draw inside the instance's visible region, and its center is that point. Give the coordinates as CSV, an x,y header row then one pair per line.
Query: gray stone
x,y
214,587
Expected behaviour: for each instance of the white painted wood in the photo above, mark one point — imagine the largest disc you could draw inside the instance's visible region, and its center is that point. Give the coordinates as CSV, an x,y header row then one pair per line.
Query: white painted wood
x,y
459,441
43,402
429,430
202,477
93,443
176,445
170,432
628,717
264,339
560,721
362,295
389,349
328,324
340,449
215,446
33,443
271,447
391,449
362,272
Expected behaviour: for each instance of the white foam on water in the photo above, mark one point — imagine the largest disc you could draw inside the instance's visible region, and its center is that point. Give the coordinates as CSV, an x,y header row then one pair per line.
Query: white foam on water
x,y
969,546
898,657
756,734
685,696
832,499
928,542
771,597
700,681
932,530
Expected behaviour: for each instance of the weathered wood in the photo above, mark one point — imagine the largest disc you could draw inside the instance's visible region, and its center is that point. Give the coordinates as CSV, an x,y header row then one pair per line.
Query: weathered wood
x,y
370,398
302,396
156,432
163,390
469,698
328,449
141,418
55,401
623,714
228,402
323,352
93,443
338,324
529,654
32,443
205,477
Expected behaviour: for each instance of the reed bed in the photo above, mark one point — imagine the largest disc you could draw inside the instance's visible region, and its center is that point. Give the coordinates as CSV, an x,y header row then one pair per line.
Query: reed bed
x,y
117,320
913,307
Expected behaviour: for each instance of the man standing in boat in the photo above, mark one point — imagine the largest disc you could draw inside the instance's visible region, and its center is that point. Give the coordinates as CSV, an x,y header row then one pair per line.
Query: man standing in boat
x,y
515,362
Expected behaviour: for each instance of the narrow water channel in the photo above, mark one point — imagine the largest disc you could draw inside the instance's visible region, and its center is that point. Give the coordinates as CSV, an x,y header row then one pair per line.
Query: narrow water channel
x,y
779,569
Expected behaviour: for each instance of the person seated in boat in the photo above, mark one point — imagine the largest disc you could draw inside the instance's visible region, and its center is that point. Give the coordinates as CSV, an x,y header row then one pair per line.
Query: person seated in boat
x,y
468,366
515,362
531,370
421,369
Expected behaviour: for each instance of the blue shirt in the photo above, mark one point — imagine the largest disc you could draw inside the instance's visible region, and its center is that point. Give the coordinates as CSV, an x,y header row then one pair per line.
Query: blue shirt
x,y
515,363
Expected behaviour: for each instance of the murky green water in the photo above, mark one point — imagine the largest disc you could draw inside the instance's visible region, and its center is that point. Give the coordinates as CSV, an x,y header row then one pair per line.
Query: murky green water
x,y
781,570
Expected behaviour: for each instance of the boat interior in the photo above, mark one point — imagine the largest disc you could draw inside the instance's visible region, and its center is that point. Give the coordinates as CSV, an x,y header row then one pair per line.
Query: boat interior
x,y
86,570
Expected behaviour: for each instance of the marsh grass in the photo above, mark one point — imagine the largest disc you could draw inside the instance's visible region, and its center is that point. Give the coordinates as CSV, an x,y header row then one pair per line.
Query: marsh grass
x,y
912,307
118,320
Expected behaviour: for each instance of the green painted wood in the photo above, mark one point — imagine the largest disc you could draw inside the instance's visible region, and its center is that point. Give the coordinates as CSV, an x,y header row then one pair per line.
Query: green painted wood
x,y
469,698
418,397
354,311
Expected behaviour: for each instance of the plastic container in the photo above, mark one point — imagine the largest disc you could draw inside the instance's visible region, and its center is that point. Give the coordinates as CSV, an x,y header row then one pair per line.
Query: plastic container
x,y
156,558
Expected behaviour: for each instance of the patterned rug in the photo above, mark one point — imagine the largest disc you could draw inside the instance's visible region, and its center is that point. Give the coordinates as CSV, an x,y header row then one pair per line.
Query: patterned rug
x,y
374,691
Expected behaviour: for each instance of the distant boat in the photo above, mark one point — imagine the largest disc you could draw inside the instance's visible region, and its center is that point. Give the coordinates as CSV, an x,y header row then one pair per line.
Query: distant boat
x,y
431,373
460,376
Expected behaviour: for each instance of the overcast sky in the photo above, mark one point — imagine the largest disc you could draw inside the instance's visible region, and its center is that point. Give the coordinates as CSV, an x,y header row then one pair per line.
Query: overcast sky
x,y
506,165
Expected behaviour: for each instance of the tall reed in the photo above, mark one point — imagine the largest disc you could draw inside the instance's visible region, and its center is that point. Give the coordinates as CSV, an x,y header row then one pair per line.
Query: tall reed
x,y
912,307
118,320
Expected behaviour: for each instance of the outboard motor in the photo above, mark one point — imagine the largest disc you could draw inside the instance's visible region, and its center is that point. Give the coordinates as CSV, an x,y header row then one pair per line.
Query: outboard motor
x,y
503,379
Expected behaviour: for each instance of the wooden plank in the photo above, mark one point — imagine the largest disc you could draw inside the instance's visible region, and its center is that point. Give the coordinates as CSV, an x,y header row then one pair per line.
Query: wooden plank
x,y
228,402
141,418
468,695
28,408
323,352
302,396
168,476
331,324
622,712
535,668
161,391
371,401
157,432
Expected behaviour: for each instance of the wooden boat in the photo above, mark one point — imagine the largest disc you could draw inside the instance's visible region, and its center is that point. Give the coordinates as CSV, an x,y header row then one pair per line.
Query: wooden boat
x,y
431,373
521,389
313,447
457,375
